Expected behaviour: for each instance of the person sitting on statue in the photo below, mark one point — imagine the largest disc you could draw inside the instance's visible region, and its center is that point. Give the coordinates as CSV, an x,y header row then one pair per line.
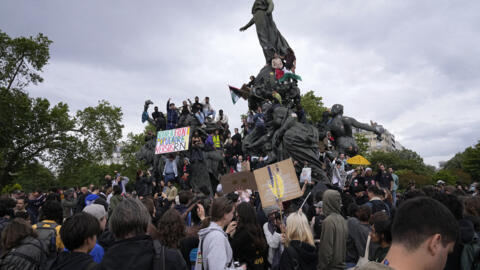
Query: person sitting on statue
x,y
290,60
197,106
222,119
155,113
251,83
236,135
170,171
277,98
209,145
208,109
184,112
172,115
217,140
197,110
196,152
300,114
259,119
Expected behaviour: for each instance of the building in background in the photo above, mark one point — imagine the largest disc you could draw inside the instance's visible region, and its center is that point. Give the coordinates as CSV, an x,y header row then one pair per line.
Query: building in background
x,y
387,144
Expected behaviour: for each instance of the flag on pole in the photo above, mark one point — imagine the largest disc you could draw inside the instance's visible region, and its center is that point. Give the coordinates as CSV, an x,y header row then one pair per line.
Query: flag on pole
x,y
235,97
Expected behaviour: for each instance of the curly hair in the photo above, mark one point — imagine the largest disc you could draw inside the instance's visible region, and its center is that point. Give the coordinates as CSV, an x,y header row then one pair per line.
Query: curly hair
x,y
171,229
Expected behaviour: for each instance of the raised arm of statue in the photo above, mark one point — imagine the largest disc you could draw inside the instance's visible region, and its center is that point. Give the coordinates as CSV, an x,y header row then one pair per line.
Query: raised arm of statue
x,y
363,126
250,23
270,7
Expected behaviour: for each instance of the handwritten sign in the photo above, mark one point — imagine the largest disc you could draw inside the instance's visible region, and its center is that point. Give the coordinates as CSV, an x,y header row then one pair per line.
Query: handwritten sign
x,y
173,140
238,181
277,182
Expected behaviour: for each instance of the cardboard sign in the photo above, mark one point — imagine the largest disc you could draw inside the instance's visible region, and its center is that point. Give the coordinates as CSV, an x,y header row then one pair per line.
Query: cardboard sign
x,y
173,140
277,182
238,181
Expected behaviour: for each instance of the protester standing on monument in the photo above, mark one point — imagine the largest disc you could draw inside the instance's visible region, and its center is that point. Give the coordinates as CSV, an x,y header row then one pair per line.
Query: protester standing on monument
x,y
172,115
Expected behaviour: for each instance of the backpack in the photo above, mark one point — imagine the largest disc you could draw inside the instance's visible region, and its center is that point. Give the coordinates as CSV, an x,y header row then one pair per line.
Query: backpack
x,y
48,236
378,206
159,257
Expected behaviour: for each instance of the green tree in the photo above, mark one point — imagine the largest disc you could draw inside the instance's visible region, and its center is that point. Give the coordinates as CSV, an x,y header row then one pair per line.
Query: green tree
x,y
471,161
313,106
407,163
20,60
32,131
362,143
405,176
445,175
35,175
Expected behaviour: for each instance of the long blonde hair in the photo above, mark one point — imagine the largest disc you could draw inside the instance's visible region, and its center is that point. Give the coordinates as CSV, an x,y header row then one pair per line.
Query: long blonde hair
x,y
298,229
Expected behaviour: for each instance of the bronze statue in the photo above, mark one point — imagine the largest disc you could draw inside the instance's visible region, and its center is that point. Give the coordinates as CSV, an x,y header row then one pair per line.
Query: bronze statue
x,y
341,129
270,38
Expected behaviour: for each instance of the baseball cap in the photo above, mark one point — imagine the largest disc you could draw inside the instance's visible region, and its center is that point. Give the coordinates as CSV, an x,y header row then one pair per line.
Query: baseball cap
x,y
96,210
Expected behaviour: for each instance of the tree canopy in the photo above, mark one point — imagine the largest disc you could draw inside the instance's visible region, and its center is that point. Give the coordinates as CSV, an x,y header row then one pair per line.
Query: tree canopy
x,y
21,59
32,130
313,106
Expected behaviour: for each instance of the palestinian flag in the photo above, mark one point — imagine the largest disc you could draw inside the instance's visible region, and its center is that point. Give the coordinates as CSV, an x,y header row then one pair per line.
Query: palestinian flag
x,y
233,93
289,75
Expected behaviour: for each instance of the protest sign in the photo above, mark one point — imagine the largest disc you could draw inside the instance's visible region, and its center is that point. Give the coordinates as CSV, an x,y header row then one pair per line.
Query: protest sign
x,y
306,175
238,181
277,182
173,140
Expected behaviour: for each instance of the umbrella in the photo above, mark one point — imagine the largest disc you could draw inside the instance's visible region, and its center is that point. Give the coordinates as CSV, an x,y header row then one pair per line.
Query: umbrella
x,y
358,160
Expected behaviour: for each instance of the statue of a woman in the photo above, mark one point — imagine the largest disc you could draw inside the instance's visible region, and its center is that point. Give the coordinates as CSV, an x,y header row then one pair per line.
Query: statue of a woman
x,y
270,38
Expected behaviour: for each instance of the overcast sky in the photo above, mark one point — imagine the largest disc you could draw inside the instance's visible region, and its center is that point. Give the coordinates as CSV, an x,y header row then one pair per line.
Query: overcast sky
x,y
412,66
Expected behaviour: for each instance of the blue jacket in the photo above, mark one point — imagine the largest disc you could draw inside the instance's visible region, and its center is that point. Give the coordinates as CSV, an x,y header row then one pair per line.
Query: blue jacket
x,y
172,115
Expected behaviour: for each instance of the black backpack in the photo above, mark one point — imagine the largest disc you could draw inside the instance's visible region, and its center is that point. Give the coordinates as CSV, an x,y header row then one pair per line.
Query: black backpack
x,y
159,257
47,234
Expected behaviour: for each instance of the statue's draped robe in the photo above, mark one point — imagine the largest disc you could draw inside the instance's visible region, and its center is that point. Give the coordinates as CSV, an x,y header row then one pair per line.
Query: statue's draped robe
x,y
270,38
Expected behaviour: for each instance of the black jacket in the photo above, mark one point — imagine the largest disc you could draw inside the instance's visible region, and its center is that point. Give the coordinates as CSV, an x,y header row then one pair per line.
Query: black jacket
x,y
138,253
29,255
73,261
299,255
244,249
144,186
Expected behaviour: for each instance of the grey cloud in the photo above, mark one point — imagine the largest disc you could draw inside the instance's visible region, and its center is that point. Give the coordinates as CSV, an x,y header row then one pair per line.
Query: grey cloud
x,y
400,63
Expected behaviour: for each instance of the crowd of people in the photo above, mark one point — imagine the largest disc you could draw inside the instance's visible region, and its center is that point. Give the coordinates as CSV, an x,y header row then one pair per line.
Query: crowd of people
x,y
357,220
358,226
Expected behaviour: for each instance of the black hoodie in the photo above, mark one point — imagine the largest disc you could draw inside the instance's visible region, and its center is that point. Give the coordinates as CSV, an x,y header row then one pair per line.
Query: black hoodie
x,y
138,253
299,255
74,260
